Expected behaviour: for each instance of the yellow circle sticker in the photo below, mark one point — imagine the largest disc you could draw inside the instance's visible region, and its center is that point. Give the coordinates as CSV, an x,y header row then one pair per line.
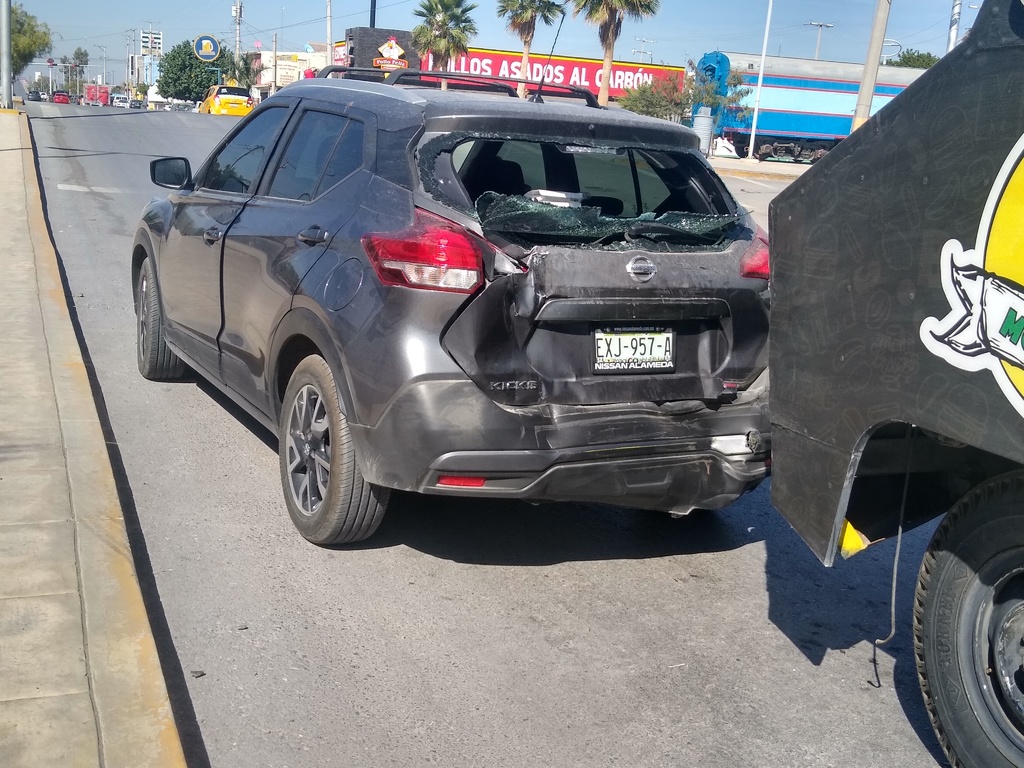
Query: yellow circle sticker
x,y
984,329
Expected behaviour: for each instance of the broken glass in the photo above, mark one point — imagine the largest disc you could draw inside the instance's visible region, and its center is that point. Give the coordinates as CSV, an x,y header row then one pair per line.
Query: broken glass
x,y
532,222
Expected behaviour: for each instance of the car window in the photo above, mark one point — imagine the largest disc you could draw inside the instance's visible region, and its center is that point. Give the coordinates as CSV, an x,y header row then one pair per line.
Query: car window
x,y
235,166
527,155
324,149
227,90
346,158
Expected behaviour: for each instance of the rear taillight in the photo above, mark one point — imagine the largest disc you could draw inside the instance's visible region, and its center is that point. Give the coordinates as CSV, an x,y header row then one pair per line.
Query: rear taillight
x,y
249,102
754,262
216,101
433,253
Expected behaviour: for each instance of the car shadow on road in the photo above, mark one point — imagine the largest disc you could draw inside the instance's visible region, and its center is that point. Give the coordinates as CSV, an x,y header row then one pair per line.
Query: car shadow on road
x,y
508,532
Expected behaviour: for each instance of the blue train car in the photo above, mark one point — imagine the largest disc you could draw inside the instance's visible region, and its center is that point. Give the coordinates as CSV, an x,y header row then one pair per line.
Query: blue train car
x,y
806,105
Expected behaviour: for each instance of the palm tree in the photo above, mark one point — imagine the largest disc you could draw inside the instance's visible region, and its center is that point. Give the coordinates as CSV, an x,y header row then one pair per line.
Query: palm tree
x,y
608,16
445,31
523,16
244,69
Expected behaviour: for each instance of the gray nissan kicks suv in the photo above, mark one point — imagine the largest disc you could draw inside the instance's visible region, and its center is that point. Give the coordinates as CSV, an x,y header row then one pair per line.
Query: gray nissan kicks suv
x,y
457,291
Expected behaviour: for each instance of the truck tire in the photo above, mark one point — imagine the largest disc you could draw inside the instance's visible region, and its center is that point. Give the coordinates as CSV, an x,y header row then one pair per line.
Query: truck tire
x,y
969,627
327,498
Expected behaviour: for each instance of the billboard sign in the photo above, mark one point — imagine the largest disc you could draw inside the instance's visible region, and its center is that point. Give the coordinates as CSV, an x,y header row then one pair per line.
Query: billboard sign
x,y
561,70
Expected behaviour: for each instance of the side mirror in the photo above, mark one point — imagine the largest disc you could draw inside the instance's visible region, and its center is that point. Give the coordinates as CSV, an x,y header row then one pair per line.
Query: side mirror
x,y
170,172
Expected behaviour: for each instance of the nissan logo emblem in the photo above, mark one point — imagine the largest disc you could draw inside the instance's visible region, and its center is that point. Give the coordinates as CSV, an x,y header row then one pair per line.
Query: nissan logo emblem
x,y
641,269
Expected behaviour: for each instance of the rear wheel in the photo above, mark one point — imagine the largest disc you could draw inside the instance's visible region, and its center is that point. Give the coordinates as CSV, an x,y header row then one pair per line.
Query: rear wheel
x,y
327,497
969,627
155,359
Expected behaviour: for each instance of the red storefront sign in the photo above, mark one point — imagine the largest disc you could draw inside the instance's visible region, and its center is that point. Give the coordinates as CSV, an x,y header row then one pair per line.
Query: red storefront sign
x,y
561,70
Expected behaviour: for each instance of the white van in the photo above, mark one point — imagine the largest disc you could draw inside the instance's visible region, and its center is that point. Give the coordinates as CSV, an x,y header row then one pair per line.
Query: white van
x,y
119,100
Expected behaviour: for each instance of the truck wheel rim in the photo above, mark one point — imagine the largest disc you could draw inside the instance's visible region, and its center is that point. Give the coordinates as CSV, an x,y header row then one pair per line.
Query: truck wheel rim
x,y
998,629
308,450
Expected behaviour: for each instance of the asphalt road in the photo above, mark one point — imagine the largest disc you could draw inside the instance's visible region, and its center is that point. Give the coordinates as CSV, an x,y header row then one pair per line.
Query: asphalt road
x,y
465,633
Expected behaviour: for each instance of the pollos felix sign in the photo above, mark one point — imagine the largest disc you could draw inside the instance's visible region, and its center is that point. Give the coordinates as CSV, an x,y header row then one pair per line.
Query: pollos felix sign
x,y
561,70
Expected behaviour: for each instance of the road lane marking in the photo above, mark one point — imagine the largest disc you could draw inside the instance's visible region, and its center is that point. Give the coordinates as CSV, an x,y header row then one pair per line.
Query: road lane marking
x,y
100,190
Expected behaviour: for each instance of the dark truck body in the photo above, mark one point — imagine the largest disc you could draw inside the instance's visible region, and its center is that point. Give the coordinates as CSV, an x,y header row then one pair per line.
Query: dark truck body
x,y
897,367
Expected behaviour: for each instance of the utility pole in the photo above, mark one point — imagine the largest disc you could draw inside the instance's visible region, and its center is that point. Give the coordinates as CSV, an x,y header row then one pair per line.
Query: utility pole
x,y
643,42
103,48
330,36
373,13
6,62
820,26
867,83
150,51
273,85
752,149
954,26
236,12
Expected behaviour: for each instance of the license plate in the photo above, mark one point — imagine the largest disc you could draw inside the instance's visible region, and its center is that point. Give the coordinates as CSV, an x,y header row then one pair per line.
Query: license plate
x,y
634,350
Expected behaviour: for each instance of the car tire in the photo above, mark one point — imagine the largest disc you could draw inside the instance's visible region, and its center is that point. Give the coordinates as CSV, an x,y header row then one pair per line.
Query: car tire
x,y
315,443
969,627
156,360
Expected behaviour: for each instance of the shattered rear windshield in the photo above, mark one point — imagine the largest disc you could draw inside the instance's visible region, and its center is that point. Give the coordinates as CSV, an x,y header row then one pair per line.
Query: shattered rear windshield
x,y
529,222
534,192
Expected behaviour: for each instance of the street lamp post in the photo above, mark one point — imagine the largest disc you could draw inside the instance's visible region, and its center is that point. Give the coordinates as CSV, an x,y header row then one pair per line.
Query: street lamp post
x,y
103,79
752,149
820,26
6,58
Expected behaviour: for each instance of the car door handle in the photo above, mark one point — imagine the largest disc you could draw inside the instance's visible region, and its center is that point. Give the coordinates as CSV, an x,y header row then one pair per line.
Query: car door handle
x,y
315,235
212,235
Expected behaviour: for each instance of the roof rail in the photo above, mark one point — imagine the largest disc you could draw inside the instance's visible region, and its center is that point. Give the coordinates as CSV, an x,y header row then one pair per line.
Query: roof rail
x,y
432,78
357,73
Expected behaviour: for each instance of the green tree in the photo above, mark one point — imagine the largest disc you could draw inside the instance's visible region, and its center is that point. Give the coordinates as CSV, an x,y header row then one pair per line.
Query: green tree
x,y
702,91
915,59
183,76
29,38
75,67
244,69
662,97
446,29
608,16
523,16
674,97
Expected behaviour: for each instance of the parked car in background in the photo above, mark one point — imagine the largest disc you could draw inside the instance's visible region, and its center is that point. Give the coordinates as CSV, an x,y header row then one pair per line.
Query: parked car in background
x,y
227,100
34,96
119,100
464,293
44,95
135,104
61,97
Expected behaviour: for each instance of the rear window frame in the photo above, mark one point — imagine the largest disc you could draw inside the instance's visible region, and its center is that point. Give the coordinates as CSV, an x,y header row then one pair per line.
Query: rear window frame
x,y
437,155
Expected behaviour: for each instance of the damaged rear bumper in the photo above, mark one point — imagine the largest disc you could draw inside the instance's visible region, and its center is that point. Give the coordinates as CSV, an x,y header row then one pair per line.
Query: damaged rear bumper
x,y
675,457
694,476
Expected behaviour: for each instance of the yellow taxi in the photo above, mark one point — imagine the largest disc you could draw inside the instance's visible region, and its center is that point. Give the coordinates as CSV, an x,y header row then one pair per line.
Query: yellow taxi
x,y
226,100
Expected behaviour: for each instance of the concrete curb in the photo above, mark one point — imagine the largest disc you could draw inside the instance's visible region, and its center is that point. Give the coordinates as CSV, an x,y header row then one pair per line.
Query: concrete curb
x,y
134,722
768,170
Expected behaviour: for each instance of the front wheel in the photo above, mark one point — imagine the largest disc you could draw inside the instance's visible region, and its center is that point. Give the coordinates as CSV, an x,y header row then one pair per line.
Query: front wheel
x,y
969,627
327,497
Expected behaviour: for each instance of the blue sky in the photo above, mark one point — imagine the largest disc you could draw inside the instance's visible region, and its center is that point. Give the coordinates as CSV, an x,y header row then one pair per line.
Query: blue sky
x,y
683,29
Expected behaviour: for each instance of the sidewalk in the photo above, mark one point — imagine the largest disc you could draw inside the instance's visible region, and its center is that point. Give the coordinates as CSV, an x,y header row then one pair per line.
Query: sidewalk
x,y
80,680
778,170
